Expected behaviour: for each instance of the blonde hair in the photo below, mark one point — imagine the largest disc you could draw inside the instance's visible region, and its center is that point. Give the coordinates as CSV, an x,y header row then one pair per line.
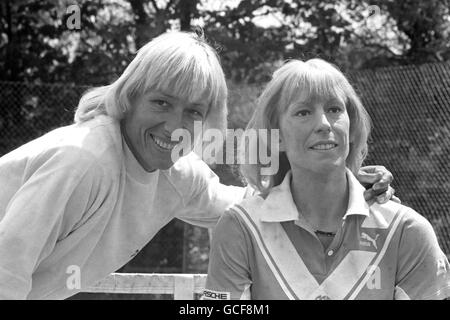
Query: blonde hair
x,y
315,78
179,62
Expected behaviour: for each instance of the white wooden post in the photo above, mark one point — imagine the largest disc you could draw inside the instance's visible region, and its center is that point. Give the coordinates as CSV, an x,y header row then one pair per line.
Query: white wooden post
x,y
184,287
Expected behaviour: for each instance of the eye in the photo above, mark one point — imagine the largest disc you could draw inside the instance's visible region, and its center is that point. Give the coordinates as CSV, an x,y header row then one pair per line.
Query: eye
x,y
335,109
160,103
302,113
196,114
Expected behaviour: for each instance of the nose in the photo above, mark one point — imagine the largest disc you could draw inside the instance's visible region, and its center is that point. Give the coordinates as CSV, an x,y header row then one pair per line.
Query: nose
x,y
323,123
173,121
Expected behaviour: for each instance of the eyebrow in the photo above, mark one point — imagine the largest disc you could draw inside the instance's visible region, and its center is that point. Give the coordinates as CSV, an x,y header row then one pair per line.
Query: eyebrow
x,y
167,95
191,104
307,102
199,104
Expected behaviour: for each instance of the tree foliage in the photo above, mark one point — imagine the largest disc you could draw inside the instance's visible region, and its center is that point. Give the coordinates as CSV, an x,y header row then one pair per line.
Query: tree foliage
x,y
252,36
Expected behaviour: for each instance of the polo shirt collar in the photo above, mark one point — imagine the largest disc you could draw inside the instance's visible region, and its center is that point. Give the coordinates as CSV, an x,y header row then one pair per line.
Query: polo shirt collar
x,y
279,205
357,204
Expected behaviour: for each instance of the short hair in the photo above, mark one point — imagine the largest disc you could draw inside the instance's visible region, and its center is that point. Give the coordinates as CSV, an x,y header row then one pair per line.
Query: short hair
x,y
182,62
315,78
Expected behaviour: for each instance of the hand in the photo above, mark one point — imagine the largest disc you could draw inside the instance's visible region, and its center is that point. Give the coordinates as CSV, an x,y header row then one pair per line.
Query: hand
x,y
377,180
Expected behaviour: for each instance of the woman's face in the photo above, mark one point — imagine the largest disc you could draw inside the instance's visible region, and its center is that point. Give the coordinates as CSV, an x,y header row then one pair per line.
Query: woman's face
x,y
315,134
152,119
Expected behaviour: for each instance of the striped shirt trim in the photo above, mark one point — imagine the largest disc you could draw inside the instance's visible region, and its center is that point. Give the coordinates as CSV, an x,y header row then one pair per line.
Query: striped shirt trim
x,y
380,255
265,252
359,283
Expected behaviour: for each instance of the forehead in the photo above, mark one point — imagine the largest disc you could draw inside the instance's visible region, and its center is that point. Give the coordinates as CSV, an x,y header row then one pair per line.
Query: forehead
x,y
306,98
309,85
187,87
311,93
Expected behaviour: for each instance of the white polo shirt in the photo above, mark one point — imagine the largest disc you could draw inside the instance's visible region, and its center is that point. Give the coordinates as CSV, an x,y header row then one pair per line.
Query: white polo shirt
x,y
264,249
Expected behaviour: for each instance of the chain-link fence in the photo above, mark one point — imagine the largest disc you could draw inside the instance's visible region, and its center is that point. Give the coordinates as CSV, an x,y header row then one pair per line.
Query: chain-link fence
x,y
410,110
409,106
27,111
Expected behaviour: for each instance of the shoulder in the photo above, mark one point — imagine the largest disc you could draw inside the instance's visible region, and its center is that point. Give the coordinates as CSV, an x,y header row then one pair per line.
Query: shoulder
x,y
407,217
383,215
251,203
73,149
231,228
250,208
414,228
98,139
417,229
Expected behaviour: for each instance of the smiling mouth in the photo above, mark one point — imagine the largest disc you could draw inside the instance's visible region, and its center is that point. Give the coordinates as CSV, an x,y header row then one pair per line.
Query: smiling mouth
x,y
324,146
166,146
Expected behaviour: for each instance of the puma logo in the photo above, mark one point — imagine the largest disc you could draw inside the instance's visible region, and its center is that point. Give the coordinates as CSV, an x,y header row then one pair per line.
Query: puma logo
x,y
365,236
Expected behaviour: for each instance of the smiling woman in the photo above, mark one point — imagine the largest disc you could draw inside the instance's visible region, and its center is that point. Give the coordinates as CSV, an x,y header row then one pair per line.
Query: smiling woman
x,y
303,86
149,125
310,234
169,85
90,195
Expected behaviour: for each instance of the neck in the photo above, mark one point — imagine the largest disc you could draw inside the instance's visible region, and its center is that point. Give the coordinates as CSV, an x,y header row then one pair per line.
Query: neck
x,y
322,198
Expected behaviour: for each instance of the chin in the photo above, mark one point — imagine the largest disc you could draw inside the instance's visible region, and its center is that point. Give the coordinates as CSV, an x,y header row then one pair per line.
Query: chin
x,y
151,166
329,167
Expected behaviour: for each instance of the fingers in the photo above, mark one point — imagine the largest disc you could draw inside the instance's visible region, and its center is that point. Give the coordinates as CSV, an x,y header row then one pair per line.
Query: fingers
x,y
372,169
368,178
369,195
384,182
381,196
377,175
385,197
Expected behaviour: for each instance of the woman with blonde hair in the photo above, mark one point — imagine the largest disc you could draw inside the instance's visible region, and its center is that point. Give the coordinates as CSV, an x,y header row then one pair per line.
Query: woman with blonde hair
x,y
82,200
310,233
91,195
